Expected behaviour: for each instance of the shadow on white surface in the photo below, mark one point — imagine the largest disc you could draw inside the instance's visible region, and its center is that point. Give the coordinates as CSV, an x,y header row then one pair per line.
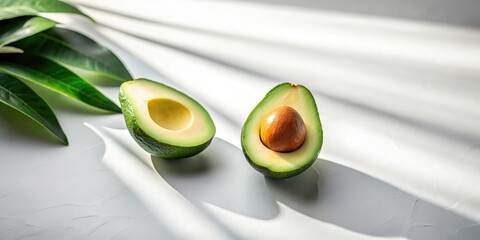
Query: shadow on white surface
x,y
391,122
220,176
352,201
398,129
219,189
413,138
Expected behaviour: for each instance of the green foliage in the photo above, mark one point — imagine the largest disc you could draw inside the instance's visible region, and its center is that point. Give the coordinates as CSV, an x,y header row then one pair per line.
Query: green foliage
x,y
17,8
54,77
18,95
33,50
12,30
76,52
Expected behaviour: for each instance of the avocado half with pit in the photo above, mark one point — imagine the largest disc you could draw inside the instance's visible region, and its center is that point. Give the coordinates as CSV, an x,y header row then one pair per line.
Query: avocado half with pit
x,y
283,134
163,121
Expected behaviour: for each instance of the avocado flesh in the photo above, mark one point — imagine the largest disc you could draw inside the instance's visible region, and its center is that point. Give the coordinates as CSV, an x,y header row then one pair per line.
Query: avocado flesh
x,y
276,164
163,121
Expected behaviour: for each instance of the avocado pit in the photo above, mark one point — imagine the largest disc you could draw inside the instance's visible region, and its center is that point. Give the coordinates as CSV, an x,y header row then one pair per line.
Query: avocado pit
x,y
283,130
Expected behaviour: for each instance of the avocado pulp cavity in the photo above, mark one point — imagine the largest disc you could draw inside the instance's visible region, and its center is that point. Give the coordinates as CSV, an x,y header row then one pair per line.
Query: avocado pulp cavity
x,y
163,121
298,148
169,114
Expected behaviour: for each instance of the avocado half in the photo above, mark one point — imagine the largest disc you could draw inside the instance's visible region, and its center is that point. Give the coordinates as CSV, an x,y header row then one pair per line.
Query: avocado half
x,y
163,121
283,164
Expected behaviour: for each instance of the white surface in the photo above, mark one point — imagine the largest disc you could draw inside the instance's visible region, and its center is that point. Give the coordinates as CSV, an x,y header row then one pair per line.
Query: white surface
x,y
398,102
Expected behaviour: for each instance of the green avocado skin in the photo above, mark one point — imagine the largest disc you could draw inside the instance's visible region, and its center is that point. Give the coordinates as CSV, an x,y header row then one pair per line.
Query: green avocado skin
x,y
286,174
151,145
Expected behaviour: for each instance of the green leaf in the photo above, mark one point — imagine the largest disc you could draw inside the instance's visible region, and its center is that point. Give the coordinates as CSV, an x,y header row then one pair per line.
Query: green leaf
x,y
76,52
15,29
16,8
19,96
55,77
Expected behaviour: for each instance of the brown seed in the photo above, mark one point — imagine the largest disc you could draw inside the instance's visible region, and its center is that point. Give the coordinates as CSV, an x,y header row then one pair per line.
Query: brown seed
x,y
283,130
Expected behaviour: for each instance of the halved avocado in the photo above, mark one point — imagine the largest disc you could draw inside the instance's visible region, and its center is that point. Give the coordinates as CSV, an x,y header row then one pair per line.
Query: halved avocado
x,y
163,121
277,164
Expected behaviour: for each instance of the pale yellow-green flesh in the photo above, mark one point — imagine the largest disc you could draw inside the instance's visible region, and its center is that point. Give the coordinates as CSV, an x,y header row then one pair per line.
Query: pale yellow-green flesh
x,y
296,98
167,115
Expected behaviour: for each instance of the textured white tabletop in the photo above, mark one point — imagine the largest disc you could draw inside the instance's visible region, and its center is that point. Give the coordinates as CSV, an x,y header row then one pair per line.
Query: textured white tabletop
x,y
398,99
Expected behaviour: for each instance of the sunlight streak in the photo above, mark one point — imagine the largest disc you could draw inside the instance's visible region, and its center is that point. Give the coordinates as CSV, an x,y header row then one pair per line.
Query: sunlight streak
x,y
135,169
